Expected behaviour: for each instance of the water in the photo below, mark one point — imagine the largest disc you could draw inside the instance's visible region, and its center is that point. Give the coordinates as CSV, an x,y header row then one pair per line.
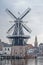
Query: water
x,y
22,62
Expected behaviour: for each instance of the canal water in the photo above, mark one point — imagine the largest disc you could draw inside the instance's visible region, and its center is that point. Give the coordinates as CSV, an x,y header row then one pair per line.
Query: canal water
x,y
38,61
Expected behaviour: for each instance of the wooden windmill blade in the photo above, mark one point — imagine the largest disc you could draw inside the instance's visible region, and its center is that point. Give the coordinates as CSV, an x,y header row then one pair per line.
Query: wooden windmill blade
x,y
25,13
27,28
11,13
10,28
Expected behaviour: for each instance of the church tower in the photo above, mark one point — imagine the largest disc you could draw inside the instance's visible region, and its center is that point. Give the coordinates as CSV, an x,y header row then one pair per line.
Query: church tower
x,y
36,42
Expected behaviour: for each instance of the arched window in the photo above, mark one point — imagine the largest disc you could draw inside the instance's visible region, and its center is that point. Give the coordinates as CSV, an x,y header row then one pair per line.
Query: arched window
x,y
5,48
8,49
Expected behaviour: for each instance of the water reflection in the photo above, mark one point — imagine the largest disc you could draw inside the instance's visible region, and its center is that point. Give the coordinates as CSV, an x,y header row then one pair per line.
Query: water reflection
x,y
14,62
36,61
22,62
19,62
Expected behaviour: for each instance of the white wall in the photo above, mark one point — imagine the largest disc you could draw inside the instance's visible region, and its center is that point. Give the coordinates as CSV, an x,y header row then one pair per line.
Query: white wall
x,y
1,52
5,50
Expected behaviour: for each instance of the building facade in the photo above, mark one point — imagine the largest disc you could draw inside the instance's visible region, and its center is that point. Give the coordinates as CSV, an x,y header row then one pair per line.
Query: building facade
x,y
6,50
41,48
18,51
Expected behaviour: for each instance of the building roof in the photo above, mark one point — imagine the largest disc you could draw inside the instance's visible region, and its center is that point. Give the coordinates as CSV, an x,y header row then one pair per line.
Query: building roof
x,y
5,44
30,45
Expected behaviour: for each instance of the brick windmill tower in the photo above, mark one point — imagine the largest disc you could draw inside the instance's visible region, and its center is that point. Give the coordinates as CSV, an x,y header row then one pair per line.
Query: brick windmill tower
x,y
18,37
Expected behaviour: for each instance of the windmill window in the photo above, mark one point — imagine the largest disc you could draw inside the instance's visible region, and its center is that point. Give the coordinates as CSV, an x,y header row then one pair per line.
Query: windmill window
x,y
16,52
20,52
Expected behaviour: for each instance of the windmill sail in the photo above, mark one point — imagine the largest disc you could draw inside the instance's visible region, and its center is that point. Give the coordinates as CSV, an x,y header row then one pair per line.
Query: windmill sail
x,y
25,13
27,28
11,13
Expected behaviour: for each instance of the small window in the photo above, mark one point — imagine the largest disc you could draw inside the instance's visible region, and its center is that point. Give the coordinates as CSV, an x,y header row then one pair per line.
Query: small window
x,y
15,52
5,53
5,48
8,49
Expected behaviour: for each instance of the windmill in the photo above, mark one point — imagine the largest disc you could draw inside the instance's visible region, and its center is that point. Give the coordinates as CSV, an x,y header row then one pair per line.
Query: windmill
x,y
18,34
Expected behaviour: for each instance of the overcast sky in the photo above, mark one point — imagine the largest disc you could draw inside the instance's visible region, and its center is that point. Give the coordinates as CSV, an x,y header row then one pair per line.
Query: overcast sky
x,y
34,18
